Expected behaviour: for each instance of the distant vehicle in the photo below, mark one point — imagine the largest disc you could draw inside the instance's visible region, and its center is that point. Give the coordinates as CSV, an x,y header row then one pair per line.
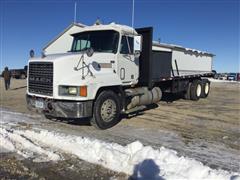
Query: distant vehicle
x,y
19,73
232,77
215,74
222,76
238,76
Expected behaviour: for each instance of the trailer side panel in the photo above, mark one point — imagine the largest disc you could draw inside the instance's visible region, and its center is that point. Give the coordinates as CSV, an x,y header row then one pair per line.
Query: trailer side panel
x,y
187,63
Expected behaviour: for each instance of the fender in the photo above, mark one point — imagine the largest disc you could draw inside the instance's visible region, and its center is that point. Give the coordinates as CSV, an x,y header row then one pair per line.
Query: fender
x,y
93,84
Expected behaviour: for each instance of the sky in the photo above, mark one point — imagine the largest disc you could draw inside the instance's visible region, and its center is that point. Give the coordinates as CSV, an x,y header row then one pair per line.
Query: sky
x,y
207,25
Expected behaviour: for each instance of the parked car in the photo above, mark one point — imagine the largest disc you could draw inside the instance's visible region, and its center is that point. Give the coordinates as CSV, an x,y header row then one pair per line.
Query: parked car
x,y
19,73
215,74
223,77
232,77
238,76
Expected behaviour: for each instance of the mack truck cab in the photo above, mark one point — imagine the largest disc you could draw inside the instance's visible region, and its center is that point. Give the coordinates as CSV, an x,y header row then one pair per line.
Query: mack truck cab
x,y
109,70
90,79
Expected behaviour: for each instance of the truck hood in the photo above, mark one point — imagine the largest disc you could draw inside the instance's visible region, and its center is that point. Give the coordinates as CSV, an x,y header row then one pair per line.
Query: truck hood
x,y
53,57
65,56
69,68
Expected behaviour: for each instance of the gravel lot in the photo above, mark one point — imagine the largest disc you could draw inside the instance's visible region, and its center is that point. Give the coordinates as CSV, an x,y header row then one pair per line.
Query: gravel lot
x,y
207,130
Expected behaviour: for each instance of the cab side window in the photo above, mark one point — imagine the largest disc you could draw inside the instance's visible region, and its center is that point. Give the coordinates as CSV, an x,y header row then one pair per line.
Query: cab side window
x,y
126,45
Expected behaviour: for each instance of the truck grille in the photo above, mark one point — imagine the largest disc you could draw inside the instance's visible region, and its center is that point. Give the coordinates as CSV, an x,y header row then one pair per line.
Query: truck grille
x,y
40,80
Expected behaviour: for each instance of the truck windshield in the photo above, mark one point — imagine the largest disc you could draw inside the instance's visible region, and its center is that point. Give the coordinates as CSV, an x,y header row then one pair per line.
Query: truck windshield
x,y
100,41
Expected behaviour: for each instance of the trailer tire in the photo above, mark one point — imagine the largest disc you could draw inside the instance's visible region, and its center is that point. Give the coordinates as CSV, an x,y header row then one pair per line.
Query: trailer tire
x,y
195,90
205,88
106,110
187,94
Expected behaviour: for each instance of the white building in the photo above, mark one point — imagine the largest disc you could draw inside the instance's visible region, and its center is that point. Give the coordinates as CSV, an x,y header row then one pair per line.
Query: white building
x,y
62,43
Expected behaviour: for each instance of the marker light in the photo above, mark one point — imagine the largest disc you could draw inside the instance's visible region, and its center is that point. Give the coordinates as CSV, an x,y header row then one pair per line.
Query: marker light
x,y
83,91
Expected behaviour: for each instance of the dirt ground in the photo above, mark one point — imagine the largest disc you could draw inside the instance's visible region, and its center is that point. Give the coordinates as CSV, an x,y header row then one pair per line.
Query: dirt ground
x,y
13,167
207,130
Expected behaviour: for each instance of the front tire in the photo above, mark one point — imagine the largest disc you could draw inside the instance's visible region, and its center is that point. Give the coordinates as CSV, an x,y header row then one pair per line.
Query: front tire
x,y
106,110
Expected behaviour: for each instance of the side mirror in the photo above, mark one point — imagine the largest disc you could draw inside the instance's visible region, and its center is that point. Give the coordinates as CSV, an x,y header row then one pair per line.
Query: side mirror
x,y
89,52
137,44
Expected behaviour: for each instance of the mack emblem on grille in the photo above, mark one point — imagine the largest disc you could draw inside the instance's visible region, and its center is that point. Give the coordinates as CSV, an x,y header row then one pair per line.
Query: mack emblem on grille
x,y
40,79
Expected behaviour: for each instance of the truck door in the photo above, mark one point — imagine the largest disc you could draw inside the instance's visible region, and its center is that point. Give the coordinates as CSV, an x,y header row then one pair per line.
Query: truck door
x,y
128,69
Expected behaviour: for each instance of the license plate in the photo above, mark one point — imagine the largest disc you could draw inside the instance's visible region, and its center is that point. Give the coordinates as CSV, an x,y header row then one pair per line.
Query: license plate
x,y
39,104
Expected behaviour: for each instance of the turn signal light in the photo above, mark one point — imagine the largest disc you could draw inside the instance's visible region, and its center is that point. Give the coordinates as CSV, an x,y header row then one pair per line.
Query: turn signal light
x,y
83,91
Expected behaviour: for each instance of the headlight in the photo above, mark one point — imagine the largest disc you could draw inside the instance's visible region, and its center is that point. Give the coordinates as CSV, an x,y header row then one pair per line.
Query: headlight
x,y
73,91
68,90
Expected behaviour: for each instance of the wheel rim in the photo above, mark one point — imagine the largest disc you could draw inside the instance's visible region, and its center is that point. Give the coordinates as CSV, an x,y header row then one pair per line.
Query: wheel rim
x,y
108,110
199,89
206,88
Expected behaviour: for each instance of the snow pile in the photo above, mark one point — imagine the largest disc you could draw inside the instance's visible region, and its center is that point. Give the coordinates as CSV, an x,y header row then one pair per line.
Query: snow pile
x,y
222,81
11,141
5,144
133,159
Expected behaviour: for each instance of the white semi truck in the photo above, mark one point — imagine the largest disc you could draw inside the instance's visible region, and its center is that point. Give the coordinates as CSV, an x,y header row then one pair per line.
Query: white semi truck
x,y
112,70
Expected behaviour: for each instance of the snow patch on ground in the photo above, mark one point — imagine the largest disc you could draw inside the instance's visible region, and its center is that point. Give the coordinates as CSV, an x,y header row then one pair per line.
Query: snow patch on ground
x,y
5,144
141,161
222,81
15,142
135,159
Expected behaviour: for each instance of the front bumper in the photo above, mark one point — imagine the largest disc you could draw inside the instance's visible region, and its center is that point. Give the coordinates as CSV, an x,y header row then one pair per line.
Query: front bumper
x,y
60,108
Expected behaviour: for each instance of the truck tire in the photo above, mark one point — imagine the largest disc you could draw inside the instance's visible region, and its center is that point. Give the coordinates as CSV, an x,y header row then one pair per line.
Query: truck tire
x,y
195,90
106,110
187,93
205,88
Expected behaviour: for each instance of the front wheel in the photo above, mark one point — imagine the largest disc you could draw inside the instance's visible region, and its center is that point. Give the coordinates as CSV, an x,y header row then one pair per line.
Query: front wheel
x,y
106,110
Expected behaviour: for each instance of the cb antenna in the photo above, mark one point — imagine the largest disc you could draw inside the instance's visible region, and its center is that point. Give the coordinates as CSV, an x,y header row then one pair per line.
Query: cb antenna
x,y
133,3
75,12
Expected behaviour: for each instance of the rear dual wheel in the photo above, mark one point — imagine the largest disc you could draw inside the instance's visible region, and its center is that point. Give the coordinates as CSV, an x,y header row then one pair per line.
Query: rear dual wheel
x,y
187,93
205,88
197,89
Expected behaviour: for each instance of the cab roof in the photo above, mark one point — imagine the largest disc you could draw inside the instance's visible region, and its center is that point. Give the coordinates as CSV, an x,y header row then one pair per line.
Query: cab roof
x,y
117,27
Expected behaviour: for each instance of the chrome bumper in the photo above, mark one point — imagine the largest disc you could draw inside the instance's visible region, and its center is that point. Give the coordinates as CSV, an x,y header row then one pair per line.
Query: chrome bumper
x,y
60,108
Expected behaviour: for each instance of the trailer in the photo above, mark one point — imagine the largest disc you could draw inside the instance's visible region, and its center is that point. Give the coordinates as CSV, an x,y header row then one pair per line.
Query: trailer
x,y
111,70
